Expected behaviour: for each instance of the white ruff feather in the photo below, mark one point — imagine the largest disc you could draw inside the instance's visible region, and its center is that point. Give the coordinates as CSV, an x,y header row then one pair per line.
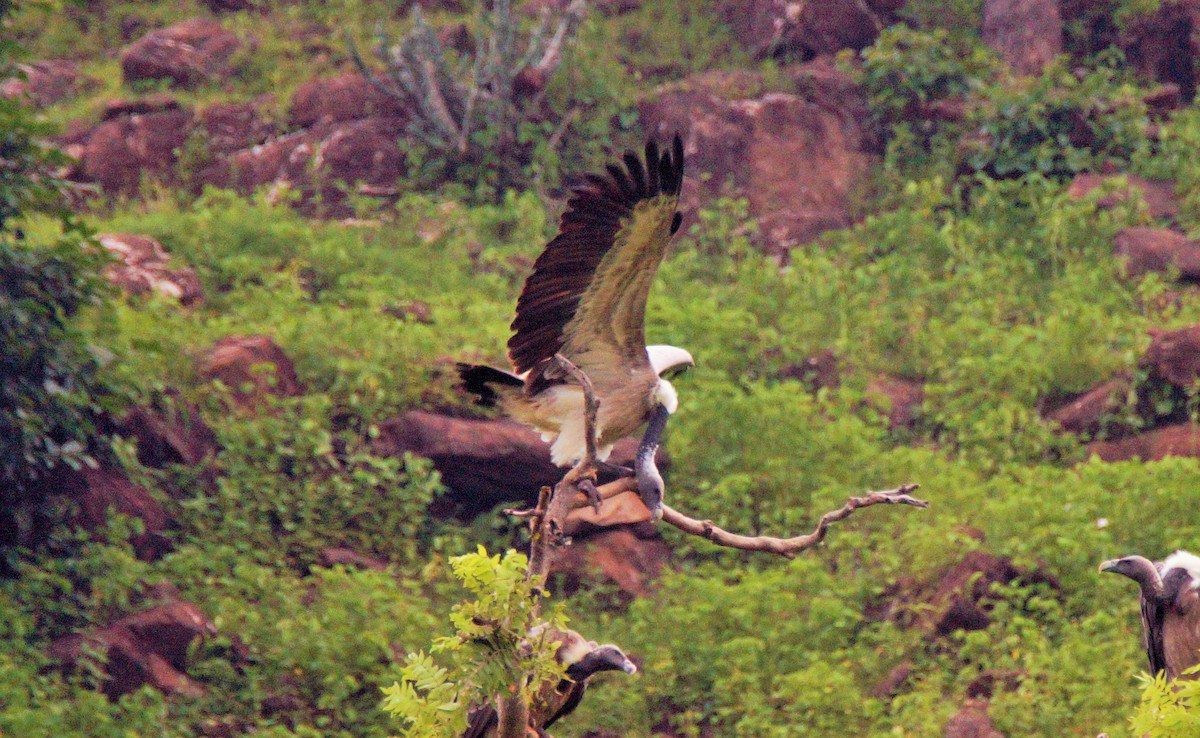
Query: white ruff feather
x,y
1189,562
664,357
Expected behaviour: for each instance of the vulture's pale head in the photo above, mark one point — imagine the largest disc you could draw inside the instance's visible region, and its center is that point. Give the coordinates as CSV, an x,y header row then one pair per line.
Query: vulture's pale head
x,y
598,659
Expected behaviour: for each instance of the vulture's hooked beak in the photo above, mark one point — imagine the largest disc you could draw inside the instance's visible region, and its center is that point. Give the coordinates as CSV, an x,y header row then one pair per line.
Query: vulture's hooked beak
x,y
629,667
1110,565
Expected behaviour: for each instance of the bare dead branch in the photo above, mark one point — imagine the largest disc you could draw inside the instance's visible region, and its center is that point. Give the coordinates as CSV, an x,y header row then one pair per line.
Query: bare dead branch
x,y
789,547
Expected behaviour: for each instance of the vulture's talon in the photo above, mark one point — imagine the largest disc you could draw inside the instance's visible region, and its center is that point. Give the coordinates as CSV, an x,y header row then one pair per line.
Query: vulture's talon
x,y
588,487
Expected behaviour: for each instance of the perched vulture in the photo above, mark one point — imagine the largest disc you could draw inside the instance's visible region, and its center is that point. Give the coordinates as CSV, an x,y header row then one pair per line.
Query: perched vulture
x,y
1170,609
586,300
582,659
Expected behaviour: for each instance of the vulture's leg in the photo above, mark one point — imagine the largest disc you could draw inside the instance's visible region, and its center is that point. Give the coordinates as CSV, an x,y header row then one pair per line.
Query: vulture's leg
x,y
650,482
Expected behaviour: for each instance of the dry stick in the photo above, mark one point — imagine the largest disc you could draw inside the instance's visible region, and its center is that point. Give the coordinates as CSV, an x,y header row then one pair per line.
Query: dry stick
x,y
786,547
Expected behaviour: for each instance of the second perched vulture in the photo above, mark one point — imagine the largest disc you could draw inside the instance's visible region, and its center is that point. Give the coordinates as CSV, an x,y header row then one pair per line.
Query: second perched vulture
x,y
1170,593
586,300
582,659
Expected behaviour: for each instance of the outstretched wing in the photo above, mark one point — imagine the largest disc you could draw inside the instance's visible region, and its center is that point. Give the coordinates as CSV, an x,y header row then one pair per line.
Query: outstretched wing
x,y
588,288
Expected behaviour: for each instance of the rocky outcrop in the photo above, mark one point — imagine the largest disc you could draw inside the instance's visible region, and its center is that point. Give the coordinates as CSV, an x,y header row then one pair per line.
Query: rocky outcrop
x,y
958,599
338,100
898,398
188,53
1086,412
144,267
483,462
1162,250
1158,194
1174,356
252,367
792,30
1164,45
631,557
1025,33
120,152
146,648
1182,439
168,431
798,158
46,82
972,721
230,127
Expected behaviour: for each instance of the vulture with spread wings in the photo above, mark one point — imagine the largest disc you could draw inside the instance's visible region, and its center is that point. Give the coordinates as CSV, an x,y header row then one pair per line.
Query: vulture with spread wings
x,y
586,300
1170,599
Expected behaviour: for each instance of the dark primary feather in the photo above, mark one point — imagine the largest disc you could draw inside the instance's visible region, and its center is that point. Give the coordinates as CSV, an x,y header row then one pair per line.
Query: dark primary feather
x,y
586,234
479,721
478,380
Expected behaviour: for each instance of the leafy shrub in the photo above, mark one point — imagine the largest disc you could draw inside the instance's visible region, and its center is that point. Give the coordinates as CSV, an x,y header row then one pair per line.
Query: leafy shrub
x,y
1060,123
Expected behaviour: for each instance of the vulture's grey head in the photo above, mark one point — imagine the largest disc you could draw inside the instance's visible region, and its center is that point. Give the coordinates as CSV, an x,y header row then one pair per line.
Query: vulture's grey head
x,y
600,658
1138,568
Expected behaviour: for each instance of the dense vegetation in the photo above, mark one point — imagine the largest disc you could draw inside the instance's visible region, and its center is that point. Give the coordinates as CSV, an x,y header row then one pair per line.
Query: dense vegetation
x,y
973,272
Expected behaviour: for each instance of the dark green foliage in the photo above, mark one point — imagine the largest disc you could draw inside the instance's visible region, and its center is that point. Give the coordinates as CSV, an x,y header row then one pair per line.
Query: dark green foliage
x,y
1061,123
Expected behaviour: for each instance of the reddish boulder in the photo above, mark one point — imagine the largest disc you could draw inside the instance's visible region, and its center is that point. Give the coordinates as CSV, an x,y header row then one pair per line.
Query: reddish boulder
x,y
1026,33
318,163
1085,413
796,158
158,102
1182,439
149,647
782,29
170,431
188,53
1174,356
958,599
820,371
120,152
972,721
229,127
1160,250
45,82
143,268
252,367
1158,194
898,398
1164,45
339,99
631,557
483,462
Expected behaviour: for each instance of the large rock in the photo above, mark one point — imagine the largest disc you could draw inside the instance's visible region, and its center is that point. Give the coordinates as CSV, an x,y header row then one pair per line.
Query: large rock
x,y
1086,412
898,398
145,267
188,53
318,163
972,721
252,367
149,647
119,153
1182,439
1164,45
1174,356
339,99
797,158
631,557
230,127
1158,194
785,29
1159,250
483,462
169,431
958,599
46,82
26,520
1026,33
